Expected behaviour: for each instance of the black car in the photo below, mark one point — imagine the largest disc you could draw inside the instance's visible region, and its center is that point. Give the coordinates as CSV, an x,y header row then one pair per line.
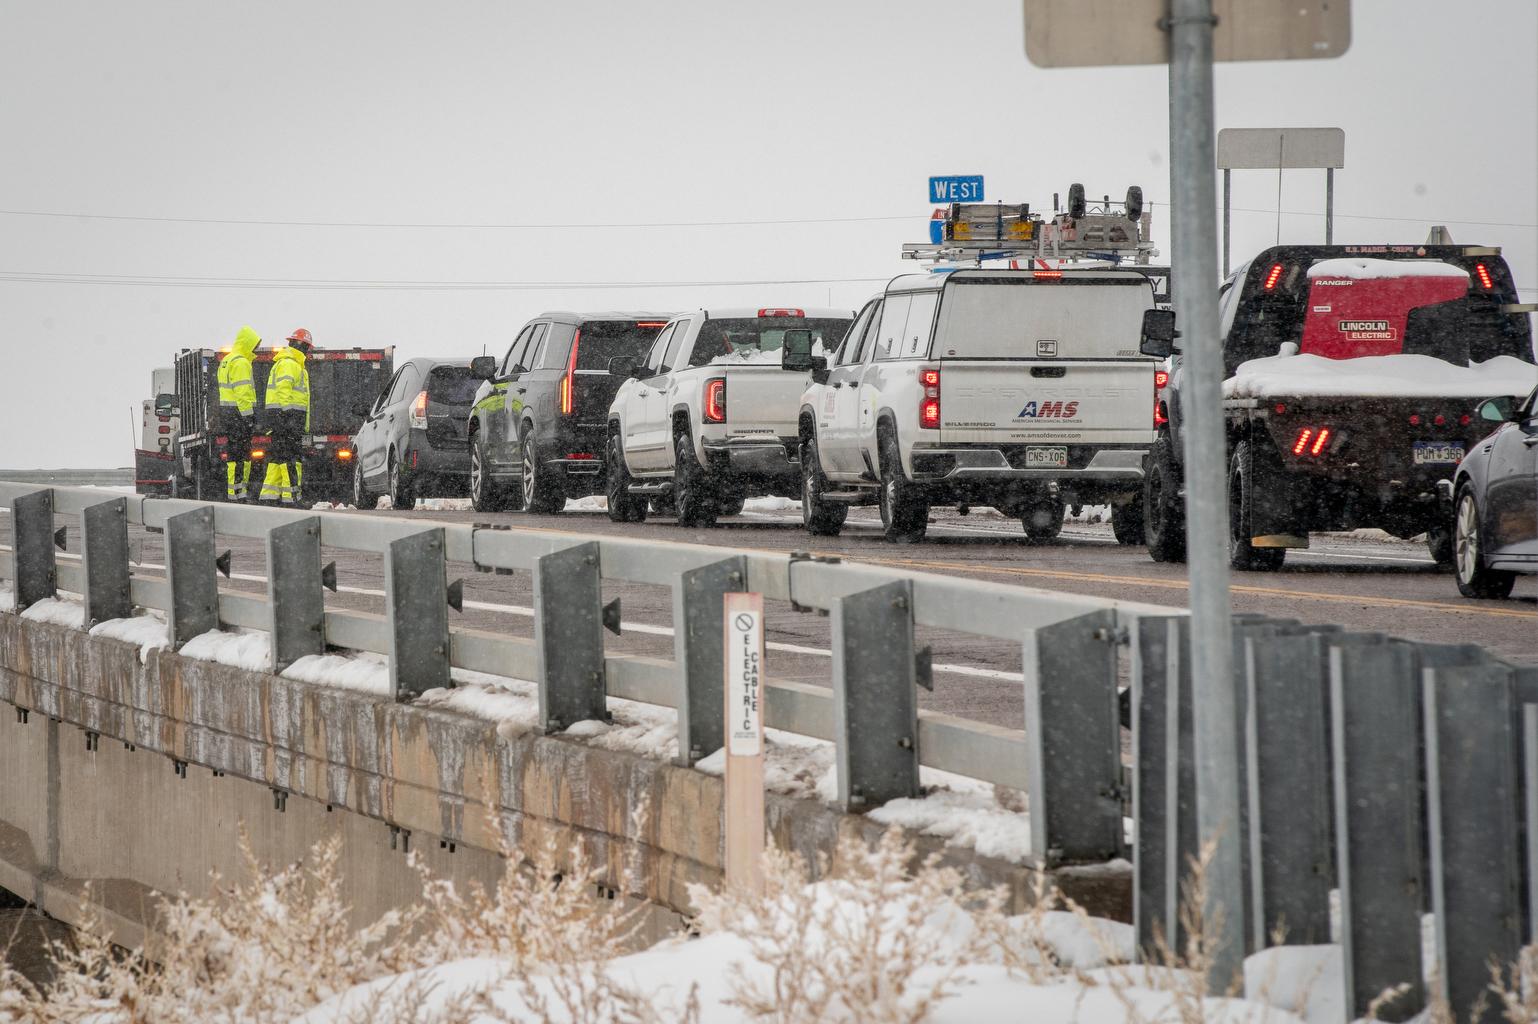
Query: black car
x,y
412,443
1495,503
537,432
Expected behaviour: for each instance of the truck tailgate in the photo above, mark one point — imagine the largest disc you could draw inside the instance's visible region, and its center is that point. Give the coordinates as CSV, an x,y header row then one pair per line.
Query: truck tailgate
x,y
1015,401
762,400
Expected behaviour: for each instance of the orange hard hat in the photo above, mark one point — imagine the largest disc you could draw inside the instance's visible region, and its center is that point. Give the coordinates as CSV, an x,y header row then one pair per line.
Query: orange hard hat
x,y
302,336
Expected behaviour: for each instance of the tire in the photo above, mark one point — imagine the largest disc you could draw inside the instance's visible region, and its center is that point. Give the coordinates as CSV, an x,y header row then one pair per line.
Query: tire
x,y
1441,544
821,518
1076,205
1246,476
402,498
731,506
1164,519
486,495
662,504
904,506
1127,522
542,490
1474,580
362,497
692,495
1043,521
624,507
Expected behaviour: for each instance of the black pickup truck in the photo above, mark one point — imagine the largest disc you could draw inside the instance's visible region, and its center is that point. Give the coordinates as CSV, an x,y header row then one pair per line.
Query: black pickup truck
x,y
1351,378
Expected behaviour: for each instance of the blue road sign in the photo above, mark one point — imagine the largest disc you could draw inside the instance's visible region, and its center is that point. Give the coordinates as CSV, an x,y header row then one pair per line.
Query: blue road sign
x,y
956,188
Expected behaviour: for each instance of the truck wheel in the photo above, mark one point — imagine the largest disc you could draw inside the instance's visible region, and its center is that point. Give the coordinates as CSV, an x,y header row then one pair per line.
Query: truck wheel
x,y
542,491
1164,520
402,498
691,494
1474,580
1439,541
486,495
1245,479
731,505
362,497
624,507
904,506
1076,203
1043,521
1127,522
821,518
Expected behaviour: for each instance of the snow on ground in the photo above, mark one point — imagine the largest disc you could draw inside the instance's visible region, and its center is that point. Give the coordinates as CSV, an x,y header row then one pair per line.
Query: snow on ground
x,y
1400,375
968,818
771,503
591,503
343,671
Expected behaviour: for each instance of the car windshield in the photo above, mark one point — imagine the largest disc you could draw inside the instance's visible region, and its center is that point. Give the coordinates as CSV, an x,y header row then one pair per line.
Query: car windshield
x,y
759,339
451,385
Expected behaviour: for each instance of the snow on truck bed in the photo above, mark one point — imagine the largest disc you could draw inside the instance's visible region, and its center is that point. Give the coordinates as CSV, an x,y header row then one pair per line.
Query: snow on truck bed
x,y
1401,375
1358,269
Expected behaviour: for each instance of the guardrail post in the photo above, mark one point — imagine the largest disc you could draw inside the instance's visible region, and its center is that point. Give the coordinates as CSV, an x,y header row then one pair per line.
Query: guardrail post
x,y
32,528
104,559
294,596
1471,805
1287,748
1073,739
190,569
568,629
1163,777
417,605
1376,761
875,700
697,638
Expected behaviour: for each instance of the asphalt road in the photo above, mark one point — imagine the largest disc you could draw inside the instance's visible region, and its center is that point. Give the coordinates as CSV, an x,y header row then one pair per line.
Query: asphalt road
x,y
1368,582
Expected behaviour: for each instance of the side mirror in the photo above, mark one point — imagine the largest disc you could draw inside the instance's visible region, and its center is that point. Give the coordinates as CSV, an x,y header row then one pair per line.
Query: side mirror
x,y
483,367
622,366
1159,334
820,374
1501,409
796,351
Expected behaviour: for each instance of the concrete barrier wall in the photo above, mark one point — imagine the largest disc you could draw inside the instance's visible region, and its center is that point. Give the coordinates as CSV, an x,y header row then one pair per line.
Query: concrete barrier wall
x,y
126,818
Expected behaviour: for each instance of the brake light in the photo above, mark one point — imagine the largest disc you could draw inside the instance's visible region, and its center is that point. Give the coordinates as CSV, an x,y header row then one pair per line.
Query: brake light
x,y
568,380
1280,408
1483,273
581,456
419,411
1320,441
1273,276
651,323
1161,378
344,454
258,453
1311,440
781,312
1047,275
715,400
1301,444
929,404
165,430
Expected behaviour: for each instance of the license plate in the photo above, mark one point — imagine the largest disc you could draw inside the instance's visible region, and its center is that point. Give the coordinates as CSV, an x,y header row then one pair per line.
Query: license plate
x,y
1046,458
1431,453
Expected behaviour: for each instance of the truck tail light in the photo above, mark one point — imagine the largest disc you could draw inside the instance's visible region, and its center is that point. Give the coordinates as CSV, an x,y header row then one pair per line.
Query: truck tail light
x,y
1320,441
569,380
1273,276
1312,441
929,404
1161,378
1301,444
715,400
345,454
258,453
782,312
419,411
1483,273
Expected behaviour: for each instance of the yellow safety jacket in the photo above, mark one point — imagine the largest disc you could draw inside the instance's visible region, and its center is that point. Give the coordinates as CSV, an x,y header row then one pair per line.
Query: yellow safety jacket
x,y
237,391
288,387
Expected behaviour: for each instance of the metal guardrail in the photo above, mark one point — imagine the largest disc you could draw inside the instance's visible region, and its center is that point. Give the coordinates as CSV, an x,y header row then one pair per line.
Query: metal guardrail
x,y
1066,758
121,477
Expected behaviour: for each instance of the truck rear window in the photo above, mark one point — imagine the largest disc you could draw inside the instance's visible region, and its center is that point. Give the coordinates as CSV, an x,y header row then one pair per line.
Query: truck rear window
x,y
601,340
759,339
1020,318
451,385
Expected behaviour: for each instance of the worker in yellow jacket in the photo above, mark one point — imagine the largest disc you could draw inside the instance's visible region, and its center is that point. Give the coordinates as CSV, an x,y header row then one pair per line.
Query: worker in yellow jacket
x,y
237,411
288,419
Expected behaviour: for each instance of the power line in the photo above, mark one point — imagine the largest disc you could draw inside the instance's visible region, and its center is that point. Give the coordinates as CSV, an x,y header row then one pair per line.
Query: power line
x,y
165,281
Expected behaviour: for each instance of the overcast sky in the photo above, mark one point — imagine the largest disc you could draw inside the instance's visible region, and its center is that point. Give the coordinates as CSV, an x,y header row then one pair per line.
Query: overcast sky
x,y
579,143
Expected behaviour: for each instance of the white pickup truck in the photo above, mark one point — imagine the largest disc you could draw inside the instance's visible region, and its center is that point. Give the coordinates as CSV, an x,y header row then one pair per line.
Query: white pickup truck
x,y
1021,390
710,417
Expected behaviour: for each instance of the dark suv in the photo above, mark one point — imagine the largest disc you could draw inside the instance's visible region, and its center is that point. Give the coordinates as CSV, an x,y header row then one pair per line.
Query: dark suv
x,y
537,432
412,443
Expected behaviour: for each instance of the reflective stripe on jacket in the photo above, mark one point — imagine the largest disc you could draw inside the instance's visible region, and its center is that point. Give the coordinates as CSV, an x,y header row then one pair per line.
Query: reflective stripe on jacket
x,y
288,387
237,391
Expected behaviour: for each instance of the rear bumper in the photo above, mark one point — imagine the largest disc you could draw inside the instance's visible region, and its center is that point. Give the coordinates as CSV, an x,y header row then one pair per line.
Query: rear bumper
x,y
427,458
942,464
755,457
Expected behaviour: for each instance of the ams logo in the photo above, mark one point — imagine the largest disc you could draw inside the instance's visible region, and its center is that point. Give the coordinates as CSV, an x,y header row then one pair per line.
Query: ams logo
x,y
1048,410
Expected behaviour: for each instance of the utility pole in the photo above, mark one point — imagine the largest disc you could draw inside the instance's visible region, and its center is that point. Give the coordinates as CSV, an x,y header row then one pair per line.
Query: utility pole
x,y
1194,265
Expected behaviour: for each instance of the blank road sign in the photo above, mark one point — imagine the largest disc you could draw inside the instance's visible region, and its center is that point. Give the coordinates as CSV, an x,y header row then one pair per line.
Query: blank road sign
x,y
1281,147
1092,33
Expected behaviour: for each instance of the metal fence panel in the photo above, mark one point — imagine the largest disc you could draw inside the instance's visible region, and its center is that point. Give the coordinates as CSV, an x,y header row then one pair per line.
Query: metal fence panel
x,y
190,573
875,702
104,559
32,539
294,594
568,626
417,610
697,652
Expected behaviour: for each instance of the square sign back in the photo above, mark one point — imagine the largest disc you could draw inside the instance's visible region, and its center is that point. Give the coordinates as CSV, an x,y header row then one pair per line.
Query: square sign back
x,y
956,188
